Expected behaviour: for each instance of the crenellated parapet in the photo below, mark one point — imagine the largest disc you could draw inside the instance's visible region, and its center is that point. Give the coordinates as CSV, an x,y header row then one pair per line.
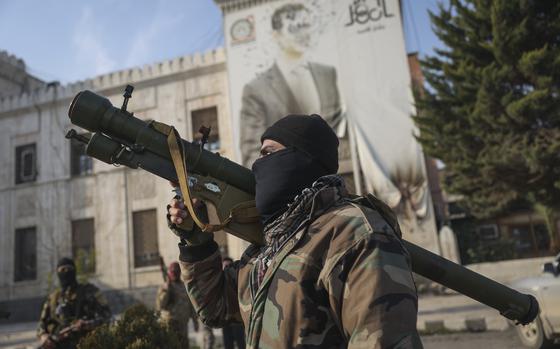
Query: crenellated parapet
x,y
108,81
235,5
12,60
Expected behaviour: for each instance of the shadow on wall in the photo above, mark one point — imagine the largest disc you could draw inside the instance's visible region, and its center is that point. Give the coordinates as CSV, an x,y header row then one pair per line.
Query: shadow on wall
x,y
29,309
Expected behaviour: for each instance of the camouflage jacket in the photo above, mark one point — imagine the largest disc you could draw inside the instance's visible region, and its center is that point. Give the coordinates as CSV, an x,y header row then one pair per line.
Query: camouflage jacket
x,y
62,308
342,282
173,302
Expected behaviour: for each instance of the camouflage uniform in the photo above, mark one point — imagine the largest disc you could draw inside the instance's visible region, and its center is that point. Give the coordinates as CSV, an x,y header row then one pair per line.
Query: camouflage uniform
x,y
176,309
341,281
62,308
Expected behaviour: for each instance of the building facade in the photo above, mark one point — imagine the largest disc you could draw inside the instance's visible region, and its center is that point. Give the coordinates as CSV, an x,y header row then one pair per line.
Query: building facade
x,y
55,201
14,77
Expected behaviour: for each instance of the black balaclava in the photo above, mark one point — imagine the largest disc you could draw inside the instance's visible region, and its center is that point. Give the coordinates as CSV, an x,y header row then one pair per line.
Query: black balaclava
x,y
67,278
311,152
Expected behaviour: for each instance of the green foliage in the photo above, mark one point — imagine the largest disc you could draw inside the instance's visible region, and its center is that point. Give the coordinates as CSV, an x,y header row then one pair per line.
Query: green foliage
x,y
492,109
475,249
499,250
138,328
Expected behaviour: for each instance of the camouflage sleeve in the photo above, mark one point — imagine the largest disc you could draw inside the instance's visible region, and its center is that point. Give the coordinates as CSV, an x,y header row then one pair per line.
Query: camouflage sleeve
x,y
193,315
372,293
44,319
162,299
213,291
101,307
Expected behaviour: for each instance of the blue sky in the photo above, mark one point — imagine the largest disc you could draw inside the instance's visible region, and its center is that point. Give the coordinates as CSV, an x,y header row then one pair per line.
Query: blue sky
x,y
56,38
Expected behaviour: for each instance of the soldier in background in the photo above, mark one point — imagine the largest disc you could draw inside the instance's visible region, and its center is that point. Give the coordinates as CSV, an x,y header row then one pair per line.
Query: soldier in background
x,y
174,305
71,310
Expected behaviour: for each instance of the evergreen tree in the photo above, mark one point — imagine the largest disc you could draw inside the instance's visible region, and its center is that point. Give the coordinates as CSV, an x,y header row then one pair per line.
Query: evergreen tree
x,y
491,111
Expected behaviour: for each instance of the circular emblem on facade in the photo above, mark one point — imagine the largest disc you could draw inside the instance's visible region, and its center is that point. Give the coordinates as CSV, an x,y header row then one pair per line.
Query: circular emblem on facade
x,y
242,30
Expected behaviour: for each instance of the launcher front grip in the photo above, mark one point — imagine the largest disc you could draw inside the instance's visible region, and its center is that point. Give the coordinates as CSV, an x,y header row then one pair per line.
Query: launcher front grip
x,y
135,143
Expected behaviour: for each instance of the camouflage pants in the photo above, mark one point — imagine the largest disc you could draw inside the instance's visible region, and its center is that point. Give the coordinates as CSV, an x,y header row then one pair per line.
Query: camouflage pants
x,y
182,331
208,338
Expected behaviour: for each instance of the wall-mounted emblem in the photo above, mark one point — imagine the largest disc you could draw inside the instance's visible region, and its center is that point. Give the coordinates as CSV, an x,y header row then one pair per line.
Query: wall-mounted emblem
x,y
242,30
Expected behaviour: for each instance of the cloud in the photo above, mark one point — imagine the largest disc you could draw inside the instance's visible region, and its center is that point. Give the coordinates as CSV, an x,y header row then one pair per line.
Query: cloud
x,y
90,49
149,36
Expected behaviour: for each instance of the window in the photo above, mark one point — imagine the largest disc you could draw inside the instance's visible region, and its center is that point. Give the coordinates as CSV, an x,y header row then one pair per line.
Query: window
x,y
83,244
80,163
144,227
455,210
542,239
26,163
522,237
206,117
488,231
530,239
25,254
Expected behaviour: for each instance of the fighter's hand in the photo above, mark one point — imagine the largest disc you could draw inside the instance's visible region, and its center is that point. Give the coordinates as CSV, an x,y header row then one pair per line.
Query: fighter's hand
x,y
83,325
177,211
177,215
47,342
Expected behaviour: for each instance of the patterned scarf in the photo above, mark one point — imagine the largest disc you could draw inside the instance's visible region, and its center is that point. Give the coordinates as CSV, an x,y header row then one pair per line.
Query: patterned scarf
x,y
299,213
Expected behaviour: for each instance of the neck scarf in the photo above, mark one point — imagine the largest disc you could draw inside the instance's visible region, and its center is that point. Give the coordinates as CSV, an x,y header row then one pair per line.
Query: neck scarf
x,y
303,209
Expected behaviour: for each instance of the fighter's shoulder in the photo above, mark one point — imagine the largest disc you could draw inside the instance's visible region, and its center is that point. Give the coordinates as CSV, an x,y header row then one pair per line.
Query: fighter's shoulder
x,y
54,295
92,293
355,229
357,219
88,290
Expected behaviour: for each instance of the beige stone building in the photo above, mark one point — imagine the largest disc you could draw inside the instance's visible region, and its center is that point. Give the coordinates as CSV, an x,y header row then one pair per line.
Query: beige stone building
x,y
14,77
55,201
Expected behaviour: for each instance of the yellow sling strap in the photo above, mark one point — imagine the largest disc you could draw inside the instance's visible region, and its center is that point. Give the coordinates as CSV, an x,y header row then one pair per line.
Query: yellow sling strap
x,y
179,162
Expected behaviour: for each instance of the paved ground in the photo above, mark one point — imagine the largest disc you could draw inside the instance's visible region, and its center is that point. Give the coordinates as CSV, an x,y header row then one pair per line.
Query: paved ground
x,y
436,313
22,336
486,340
458,313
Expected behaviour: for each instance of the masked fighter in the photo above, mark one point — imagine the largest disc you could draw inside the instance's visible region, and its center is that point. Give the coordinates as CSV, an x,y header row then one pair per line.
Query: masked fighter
x,y
174,305
71,310
333,272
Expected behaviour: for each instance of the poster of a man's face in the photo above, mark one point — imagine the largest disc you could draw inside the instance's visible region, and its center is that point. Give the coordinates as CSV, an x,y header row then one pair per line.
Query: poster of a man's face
x,y
292,26
292,83
344,60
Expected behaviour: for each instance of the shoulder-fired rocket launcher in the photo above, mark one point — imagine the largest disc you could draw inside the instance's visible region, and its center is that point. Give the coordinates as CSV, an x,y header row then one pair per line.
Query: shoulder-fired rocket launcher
x,y
120,138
